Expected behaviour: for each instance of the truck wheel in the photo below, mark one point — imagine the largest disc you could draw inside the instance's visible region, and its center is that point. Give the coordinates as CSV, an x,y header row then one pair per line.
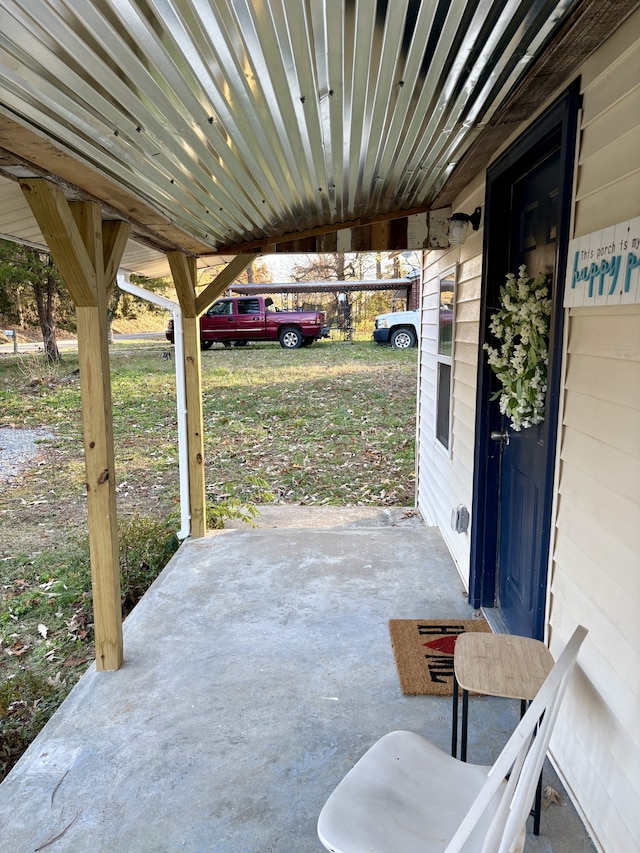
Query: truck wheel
x,y
206,344
290,338
403,339
307,342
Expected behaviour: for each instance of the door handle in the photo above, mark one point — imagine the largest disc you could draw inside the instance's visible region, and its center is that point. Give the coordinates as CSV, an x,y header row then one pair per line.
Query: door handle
x,y
500,435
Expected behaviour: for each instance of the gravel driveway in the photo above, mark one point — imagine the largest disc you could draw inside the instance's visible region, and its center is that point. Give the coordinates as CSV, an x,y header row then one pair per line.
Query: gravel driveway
x,y
19,448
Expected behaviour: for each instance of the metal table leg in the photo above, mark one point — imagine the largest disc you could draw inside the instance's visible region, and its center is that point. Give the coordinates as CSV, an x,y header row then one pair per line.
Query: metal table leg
x,y
465,723
454,719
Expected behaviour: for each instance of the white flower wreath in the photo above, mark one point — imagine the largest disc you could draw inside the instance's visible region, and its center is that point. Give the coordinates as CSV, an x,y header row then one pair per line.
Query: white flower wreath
x,y
521,325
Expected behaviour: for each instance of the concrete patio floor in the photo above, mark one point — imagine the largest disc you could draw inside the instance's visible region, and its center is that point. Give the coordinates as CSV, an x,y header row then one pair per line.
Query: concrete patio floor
x,y
258,668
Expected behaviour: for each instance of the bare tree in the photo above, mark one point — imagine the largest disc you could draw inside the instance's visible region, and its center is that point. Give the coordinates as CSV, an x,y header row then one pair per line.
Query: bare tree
x,y
256,273
46,294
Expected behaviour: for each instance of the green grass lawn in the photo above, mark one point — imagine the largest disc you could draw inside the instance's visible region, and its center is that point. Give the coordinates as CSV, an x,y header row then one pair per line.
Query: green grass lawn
x,y
330,424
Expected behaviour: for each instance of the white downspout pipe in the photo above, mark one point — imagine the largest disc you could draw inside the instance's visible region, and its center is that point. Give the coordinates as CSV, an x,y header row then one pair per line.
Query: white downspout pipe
x,y
181,396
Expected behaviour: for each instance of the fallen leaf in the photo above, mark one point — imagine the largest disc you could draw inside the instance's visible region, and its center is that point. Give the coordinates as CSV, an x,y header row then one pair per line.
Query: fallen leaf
x,y
17,649
43,630
550,795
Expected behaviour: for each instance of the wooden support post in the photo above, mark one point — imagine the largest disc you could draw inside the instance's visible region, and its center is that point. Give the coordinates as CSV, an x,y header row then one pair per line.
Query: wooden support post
x,y
74,234
100,485
195,426
183,270
95,387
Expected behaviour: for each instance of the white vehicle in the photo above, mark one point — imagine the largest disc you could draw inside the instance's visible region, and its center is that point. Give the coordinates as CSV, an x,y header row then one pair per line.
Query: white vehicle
x,y
401,329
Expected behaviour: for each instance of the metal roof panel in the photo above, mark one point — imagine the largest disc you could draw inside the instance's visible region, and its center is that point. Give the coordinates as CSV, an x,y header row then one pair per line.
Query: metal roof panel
x,y
245,120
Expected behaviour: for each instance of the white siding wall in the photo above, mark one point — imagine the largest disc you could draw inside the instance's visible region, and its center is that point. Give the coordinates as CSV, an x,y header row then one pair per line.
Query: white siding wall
x,y
595,571
596,559
445,480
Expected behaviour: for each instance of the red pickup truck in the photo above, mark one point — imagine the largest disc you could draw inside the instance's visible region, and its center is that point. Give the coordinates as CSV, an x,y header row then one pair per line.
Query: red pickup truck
x,y
239,319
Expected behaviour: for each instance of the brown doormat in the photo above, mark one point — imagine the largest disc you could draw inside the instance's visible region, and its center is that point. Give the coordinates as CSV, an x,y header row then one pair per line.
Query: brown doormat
x,y
423,650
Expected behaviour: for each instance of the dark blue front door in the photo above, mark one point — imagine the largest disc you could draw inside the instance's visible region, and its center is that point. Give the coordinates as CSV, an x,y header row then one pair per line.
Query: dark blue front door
x,y
527,216
525,466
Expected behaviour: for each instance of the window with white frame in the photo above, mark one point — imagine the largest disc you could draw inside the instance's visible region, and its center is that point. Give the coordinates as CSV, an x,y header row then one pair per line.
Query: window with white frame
x,y
444,355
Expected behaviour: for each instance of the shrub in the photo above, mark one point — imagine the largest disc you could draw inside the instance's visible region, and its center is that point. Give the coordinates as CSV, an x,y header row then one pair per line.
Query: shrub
x,y
146,546
37,369
223,502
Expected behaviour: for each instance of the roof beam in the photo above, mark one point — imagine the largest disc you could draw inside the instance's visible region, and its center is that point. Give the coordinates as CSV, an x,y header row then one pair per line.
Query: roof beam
x,y
47,157
420,228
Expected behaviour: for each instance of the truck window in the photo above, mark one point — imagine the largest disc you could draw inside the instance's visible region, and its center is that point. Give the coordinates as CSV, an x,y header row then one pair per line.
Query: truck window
x,y
220,308
248,306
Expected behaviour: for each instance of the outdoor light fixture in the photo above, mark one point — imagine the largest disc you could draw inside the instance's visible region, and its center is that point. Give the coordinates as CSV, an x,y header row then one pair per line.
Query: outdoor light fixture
x,y
461,224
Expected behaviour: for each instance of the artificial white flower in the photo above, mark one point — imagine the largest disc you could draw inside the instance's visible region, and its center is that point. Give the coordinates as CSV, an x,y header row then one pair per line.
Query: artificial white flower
x,y
521,326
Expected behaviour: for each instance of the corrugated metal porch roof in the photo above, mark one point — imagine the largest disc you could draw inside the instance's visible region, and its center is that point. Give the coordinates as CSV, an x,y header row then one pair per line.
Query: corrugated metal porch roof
x,y
217,125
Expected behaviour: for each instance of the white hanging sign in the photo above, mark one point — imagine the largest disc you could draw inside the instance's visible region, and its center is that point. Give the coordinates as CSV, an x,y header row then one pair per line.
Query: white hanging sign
x,y
603,268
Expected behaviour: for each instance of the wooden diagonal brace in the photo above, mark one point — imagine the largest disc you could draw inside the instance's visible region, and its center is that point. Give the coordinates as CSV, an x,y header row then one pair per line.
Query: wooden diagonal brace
x,y
222,281
53,215
114,240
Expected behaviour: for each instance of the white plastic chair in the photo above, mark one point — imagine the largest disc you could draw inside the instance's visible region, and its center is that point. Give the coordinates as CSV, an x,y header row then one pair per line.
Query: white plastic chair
x,y
406,795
